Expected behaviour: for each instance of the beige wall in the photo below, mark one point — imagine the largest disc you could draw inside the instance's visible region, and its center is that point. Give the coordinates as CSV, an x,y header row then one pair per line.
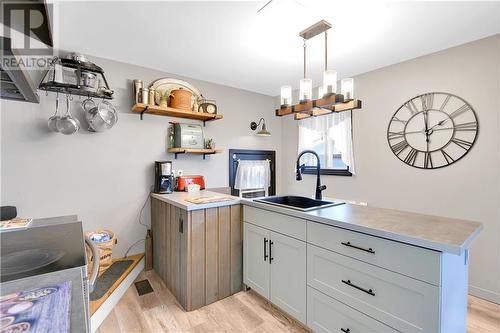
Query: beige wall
x,y
105,177
468,189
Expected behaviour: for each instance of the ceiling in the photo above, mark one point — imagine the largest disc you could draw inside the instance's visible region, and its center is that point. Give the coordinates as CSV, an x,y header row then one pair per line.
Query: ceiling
x,y
229,43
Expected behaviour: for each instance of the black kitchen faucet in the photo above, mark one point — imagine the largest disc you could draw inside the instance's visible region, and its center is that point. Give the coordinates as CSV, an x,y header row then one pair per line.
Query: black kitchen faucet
x,y
300,169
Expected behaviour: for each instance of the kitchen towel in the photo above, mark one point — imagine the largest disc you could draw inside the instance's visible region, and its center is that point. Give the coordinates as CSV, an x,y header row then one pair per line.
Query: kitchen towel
x,y
253,175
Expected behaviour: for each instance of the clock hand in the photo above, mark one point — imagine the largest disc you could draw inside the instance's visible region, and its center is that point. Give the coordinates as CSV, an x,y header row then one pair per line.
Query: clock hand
x,y
426,121
439,124
430,130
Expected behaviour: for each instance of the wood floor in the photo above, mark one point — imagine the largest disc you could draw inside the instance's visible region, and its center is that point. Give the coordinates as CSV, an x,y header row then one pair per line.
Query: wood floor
x,y
242,312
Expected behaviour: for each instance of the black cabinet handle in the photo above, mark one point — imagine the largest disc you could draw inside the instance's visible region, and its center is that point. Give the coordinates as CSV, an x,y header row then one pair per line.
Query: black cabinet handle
x,y
265,248
270,251
370,250
368,291
345,330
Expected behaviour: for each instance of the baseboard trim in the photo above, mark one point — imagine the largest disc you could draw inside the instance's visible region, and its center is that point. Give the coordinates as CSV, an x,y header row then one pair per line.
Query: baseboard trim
x,y
103,311
484,294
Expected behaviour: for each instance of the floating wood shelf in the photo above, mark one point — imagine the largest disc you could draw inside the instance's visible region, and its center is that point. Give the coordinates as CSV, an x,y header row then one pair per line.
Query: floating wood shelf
x,y
319,107
171,112
198,151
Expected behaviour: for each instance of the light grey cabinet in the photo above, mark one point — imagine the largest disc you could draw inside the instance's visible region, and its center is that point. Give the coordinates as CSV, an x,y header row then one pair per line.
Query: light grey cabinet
x,y
338,280
288,275
256,258
274,265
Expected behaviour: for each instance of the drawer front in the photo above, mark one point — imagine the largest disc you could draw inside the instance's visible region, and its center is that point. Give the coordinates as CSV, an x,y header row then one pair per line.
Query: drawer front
x,y
287,225
413,261
325,314
401,302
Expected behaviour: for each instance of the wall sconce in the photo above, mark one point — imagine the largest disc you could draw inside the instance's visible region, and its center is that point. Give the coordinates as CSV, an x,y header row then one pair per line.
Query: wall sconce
x,y
263,131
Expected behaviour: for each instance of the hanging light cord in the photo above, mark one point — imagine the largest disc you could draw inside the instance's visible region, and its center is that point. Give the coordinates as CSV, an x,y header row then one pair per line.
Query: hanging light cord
x,y
326,51
305,47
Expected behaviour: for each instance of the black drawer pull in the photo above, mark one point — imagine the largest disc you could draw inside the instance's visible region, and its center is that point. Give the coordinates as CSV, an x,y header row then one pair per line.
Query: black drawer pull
x,y
370,250
265,249
271,251
345,330
368,291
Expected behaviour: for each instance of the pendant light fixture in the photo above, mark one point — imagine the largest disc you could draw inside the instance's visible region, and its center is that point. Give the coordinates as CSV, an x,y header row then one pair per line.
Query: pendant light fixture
x,y
328,100
305,92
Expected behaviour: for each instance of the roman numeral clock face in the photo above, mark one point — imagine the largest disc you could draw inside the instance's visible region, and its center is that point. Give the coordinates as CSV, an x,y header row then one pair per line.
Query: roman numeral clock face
x,y
432,130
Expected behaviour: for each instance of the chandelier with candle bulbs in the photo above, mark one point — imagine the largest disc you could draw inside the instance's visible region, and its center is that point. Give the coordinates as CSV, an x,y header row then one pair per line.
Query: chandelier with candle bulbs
x,y
328,100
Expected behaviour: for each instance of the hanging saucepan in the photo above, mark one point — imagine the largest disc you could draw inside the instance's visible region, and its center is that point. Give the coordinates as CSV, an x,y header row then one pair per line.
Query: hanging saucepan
x,y
67,124
52,122
100,117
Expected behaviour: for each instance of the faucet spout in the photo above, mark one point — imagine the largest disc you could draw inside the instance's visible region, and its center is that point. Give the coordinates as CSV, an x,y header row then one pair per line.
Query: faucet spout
x,y
300,169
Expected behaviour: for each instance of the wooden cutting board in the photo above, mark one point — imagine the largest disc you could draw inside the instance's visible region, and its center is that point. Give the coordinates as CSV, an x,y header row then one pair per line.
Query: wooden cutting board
x,y
215,198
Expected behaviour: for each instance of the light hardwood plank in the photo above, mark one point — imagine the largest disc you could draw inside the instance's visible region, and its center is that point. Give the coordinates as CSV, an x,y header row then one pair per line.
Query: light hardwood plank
x,y
483,316
241,312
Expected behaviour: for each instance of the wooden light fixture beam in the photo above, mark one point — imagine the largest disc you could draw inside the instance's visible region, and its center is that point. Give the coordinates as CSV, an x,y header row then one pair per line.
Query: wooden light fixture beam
x,y
319,107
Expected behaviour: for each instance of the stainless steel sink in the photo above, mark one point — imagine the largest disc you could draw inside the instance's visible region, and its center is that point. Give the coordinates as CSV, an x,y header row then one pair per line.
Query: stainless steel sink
x,y
298,203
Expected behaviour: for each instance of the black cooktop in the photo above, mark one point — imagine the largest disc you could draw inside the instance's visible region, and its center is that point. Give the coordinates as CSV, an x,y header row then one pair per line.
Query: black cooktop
x,y
47,246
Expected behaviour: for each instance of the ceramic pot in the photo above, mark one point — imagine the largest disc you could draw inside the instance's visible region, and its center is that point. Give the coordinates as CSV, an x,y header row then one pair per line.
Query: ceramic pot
x,y
181,99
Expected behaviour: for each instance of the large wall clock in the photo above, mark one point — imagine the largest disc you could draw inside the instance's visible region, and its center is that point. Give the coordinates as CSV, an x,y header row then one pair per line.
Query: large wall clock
x,y
432,130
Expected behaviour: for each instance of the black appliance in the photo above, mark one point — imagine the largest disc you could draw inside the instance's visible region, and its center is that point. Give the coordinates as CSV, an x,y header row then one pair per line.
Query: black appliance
x,y
164,180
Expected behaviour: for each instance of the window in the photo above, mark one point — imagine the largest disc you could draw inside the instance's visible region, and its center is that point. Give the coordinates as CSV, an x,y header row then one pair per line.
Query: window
x,y
330,136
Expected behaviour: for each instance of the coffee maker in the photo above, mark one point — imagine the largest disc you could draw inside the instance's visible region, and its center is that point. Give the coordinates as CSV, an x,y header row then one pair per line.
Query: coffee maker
x,y
164,180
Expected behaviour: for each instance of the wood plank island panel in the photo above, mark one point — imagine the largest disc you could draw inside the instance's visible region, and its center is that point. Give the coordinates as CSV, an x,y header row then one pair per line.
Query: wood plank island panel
x,y
198,254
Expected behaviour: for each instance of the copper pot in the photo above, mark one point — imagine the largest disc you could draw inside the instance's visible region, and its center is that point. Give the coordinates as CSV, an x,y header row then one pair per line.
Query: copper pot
x,y
180,99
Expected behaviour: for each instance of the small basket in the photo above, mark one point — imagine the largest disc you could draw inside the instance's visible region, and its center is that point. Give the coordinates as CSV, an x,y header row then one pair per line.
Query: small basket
x,y
105,250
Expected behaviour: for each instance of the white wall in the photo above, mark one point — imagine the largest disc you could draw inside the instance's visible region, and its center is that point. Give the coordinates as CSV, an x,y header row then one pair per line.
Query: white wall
x,y
468,189
105,177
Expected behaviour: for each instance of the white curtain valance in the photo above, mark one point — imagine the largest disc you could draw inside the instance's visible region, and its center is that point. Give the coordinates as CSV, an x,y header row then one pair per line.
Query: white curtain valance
x,y
253,175
335,130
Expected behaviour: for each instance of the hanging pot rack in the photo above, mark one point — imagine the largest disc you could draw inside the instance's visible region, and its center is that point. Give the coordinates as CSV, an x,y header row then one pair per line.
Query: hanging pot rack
x,y
80,66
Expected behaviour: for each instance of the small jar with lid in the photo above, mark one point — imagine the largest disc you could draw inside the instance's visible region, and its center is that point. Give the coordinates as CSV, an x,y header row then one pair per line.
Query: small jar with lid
x,y
151,98
144,93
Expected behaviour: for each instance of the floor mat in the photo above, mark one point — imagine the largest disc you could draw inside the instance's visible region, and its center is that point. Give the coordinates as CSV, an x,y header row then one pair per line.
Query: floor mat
x,y
108,278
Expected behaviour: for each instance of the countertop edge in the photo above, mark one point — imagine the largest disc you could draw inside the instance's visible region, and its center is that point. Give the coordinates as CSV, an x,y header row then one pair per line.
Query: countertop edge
x,y
191,207
425,243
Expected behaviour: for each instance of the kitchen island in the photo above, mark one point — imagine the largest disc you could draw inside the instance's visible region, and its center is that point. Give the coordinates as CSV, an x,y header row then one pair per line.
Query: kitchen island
x,y
197,248
353,268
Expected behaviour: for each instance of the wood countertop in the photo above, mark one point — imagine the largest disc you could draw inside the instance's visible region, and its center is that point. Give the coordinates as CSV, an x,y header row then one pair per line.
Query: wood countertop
x,y
178,199
436,233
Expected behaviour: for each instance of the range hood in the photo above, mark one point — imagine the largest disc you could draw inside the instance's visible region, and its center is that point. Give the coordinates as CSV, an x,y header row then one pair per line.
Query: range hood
x,y
21,84
17,84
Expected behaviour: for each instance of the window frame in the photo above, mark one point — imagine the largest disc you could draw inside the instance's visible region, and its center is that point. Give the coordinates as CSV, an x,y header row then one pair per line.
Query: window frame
x,y
311,170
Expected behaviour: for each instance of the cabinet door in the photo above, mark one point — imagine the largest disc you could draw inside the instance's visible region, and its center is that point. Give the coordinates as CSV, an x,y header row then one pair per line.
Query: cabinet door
x,y
325,314
255,260
288,275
